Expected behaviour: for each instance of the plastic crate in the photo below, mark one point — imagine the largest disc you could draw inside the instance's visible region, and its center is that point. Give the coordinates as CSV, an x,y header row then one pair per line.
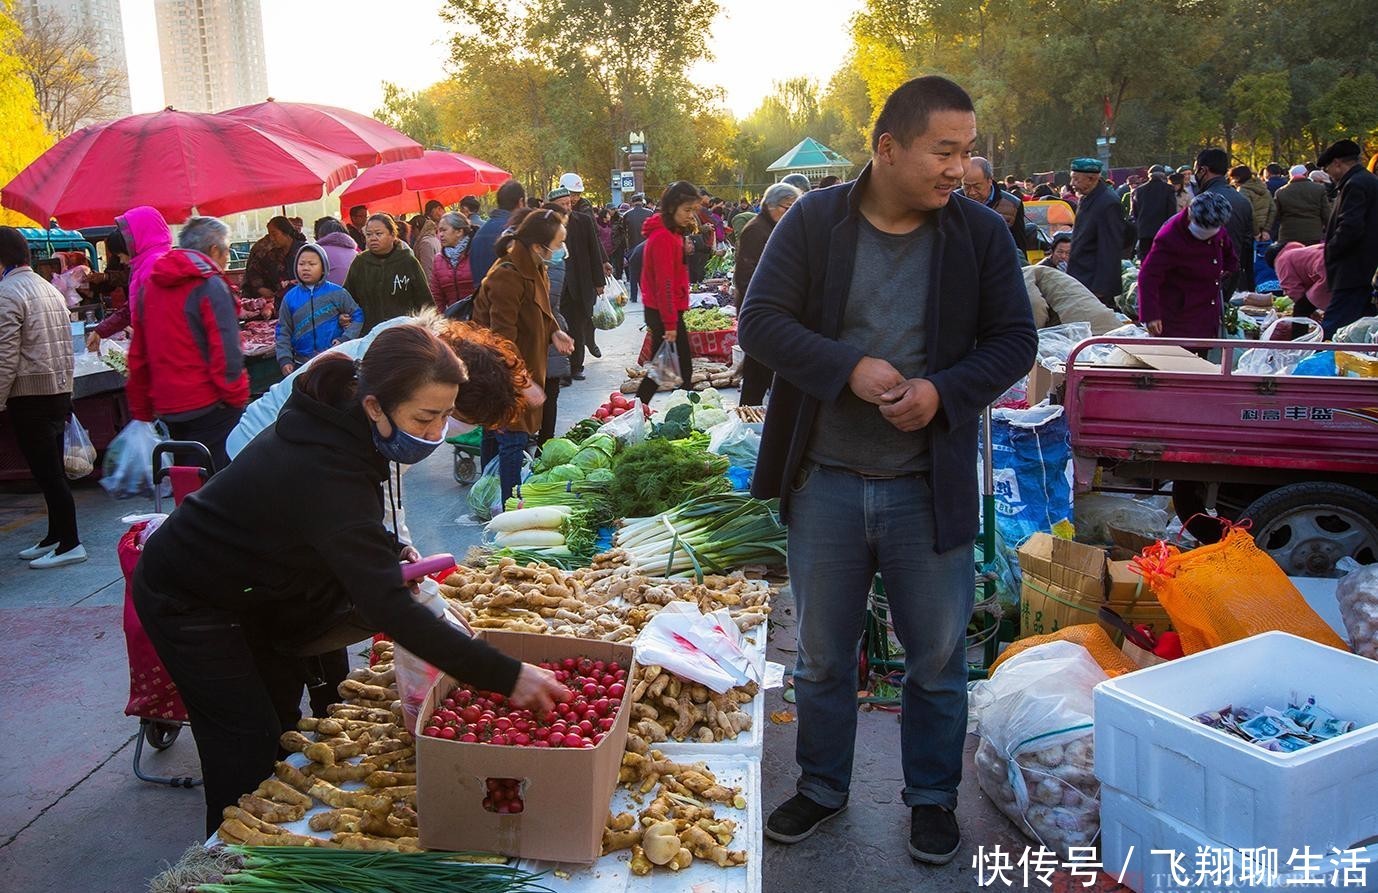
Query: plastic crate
x,y
1223,788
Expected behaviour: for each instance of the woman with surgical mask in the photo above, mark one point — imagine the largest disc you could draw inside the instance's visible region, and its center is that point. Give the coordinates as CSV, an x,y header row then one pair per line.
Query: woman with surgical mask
x,y
514,302
1179,282
283,554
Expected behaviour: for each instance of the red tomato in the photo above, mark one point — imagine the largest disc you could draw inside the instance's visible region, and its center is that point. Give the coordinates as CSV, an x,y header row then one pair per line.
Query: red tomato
x,y
447,732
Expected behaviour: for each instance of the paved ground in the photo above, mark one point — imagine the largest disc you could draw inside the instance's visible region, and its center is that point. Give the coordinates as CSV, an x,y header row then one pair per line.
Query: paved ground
x,y
74,818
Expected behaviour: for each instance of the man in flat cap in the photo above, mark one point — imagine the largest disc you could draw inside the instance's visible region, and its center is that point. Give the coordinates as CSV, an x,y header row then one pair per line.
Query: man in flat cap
x,y
1150,206
1098,236
1351,236
1211,175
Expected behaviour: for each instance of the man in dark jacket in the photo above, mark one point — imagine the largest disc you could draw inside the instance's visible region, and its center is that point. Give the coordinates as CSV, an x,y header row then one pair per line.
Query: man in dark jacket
x,y
636,219
481,256
978,184
1098,234
1212,169
1301,209
1150,207
358,217
1351,237
892,317
1277,177
585,270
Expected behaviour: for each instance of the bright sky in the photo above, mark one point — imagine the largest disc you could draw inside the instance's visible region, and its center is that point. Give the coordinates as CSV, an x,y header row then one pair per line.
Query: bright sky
x,y
316,54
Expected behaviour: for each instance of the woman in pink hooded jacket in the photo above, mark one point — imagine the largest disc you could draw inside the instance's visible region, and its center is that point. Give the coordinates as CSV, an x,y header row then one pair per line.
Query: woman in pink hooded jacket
x,y
147,236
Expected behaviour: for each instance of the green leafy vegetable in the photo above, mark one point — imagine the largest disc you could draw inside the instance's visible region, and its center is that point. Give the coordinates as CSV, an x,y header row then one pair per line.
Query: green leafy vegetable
x,y
556,451
658,473
566,472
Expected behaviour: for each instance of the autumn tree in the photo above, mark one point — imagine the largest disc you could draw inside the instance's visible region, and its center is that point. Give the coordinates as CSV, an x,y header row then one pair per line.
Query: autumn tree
x,y
72,84
25,136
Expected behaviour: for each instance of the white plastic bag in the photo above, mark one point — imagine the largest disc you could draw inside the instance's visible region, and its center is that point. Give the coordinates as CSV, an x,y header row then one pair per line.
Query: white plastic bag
x,y
702,648
78,453
615,293
1036,758
1273,361
414,676
629,428
1357,593
664,366
128,467
606,314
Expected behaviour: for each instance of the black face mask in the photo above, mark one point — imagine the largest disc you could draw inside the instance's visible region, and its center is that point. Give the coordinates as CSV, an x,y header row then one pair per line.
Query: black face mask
x,y
1200,180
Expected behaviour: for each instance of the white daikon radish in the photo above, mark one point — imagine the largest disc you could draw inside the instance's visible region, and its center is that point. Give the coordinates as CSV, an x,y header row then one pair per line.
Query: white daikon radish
x,y
547,517
529,537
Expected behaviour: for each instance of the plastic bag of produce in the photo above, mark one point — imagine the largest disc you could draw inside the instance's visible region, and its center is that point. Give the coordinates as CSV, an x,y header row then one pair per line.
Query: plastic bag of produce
x,y
664,366
78,453
128,467
1357,593
629,428
1033,471
1036,758
606,314
1055,343
736,441
485,496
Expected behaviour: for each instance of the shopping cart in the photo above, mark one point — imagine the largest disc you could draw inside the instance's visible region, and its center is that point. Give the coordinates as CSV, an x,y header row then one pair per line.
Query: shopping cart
x,y
152,696
467,448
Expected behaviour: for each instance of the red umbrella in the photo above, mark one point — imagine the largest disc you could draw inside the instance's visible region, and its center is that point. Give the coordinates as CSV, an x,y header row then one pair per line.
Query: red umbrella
x,y
404,186
180,163
367,141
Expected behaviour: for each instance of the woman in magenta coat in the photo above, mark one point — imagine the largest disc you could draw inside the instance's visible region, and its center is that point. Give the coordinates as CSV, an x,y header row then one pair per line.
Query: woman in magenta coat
x,y
1179,283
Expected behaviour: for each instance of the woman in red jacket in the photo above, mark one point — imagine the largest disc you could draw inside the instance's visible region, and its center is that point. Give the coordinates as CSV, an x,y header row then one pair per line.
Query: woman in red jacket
x,y
665,276
451,280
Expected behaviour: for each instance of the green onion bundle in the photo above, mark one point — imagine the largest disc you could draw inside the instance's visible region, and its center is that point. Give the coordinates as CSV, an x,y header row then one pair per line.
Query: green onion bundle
x,y
290,869
707,534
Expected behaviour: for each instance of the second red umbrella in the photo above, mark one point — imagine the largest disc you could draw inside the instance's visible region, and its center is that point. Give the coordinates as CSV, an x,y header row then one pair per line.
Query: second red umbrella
x,y
176,162
405,186
366,140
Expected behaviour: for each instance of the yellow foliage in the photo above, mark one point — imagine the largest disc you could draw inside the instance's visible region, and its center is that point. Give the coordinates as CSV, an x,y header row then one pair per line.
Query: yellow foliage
x,y
25,137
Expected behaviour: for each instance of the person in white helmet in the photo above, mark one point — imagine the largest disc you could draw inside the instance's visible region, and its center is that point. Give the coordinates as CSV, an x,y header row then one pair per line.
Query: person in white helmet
x,y
586,270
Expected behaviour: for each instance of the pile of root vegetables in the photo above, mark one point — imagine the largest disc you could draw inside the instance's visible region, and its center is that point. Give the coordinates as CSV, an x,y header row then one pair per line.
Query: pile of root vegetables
x,y
362,740
610,601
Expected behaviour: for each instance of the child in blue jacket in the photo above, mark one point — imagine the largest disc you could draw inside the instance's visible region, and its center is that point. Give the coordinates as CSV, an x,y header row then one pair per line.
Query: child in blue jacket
x,y
315,314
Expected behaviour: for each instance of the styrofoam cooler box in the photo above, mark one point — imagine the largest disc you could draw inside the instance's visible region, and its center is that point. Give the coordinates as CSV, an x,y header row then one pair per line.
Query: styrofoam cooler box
x,y
1131,832
1149,747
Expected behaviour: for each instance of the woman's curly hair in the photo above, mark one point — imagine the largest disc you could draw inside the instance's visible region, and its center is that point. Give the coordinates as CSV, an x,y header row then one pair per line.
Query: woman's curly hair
x,y
492,397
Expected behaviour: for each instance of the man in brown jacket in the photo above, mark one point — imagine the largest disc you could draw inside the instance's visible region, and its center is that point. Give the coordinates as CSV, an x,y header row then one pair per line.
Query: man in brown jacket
x,y
36,390
1303,207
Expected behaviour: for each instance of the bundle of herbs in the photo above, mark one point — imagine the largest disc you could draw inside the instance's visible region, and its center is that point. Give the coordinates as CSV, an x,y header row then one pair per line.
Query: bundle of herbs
x,y
656,474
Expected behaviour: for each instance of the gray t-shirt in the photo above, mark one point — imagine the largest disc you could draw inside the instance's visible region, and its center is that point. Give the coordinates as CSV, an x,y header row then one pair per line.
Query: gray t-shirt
x,y
887,310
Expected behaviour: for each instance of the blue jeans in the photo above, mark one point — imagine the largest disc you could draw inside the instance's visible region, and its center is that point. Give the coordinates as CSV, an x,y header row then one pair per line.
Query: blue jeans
x,y
509,447
843,528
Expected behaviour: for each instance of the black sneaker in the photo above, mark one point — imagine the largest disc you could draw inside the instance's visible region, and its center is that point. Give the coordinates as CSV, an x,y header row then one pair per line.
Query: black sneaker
x,y
593,349
933,835
578,376
797,818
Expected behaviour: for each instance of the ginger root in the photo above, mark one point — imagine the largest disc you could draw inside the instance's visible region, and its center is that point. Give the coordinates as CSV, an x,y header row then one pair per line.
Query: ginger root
x,y
705,846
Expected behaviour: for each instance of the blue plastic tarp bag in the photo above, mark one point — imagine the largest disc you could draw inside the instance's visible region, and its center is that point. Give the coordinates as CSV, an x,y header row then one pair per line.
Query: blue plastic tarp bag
x,y
1032,457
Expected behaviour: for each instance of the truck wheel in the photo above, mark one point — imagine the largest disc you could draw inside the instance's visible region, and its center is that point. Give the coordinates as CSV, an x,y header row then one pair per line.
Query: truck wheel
x,y
1308,527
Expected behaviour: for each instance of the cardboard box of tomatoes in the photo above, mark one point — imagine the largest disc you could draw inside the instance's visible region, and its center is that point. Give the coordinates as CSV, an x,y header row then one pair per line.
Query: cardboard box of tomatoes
x,y
540,786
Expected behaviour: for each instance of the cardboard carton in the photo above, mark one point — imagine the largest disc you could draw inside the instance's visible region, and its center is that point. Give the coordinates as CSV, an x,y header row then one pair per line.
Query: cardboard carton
x,y
1129,596
1042,382
1063,584
1163,357
565,792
